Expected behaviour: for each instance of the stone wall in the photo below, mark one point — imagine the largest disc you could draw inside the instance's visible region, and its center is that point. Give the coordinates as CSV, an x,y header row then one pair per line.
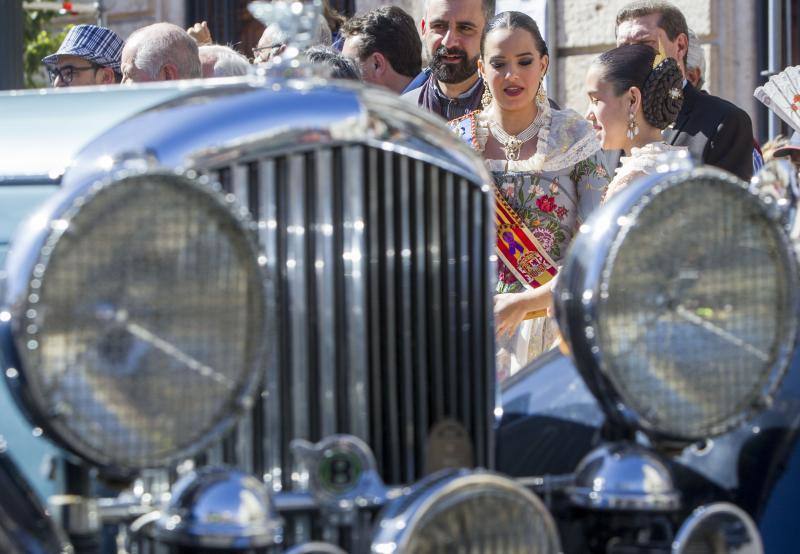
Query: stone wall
x,y
125,16
584,28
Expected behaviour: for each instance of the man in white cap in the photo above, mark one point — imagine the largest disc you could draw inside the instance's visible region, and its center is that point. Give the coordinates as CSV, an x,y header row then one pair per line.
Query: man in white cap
x,y
89,55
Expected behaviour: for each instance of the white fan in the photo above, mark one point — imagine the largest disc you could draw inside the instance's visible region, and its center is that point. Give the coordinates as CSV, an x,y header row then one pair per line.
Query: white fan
x,y
781,94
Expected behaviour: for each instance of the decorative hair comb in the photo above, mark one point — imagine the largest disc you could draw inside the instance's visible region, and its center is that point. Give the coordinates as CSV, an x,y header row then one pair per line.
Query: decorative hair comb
x,y
660,56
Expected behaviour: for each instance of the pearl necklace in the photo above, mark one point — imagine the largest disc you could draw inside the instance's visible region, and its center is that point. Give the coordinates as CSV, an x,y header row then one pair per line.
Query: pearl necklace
x,y
512,144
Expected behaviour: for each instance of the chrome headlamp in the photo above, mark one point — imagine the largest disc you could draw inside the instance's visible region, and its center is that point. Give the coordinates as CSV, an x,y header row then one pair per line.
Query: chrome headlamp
x,y
134,318
678,299
453,511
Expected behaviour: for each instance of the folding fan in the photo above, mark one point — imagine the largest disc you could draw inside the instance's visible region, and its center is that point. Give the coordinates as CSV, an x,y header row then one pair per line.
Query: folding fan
x,y
781,94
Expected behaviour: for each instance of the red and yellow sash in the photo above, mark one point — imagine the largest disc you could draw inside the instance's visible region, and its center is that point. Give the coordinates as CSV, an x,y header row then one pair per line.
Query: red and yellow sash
x,y
521,253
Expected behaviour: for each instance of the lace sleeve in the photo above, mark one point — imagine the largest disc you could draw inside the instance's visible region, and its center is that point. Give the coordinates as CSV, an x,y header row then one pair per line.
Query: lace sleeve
x,y
591,180
622,179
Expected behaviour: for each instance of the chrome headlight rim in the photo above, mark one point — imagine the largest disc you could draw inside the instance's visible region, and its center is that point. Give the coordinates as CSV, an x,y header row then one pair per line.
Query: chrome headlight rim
x,y
27,261
398,522
579,299
704,513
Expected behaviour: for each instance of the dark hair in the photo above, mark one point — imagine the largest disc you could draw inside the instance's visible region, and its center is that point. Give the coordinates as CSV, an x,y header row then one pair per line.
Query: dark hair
x,y
340,67
392,32
516,20
672,20
631,65
333,18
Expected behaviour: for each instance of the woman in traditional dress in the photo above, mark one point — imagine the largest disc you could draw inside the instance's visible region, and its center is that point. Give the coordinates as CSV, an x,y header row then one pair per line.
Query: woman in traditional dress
x,y
548,174
634,93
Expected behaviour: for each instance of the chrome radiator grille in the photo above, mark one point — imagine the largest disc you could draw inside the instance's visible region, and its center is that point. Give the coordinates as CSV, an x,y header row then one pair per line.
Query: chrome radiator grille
x,y
379,278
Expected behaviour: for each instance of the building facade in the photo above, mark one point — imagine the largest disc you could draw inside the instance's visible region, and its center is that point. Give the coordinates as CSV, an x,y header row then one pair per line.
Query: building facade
x,y
744,40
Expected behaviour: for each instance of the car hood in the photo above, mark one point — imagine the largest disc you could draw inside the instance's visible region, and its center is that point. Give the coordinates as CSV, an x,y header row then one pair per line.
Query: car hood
x,y
43,130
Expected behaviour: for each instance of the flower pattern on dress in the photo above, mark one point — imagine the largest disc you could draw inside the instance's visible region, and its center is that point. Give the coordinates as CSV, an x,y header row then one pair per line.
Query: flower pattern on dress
x,y
546,203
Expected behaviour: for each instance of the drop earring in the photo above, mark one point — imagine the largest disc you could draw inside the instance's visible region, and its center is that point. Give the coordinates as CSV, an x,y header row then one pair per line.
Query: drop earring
x,y
633,127
541,94
486,99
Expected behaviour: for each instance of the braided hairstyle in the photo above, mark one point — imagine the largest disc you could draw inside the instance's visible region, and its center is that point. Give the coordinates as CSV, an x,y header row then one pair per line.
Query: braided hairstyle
x,y
631,65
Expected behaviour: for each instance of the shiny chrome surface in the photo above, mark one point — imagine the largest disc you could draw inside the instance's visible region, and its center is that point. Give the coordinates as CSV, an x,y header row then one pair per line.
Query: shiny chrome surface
x,y
316,548
778,186
374,222
219,508
375,231
342,473
104,294
453,511
623,477
719,528
671,344
43,130
75,514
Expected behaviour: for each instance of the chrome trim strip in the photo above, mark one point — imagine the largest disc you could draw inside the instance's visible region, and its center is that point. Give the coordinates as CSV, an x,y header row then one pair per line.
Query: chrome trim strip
x,y
241,437
436,324
355,293
464,327
324,269
271,395
448,292
296,285
389,317
376,252
420,294
405,333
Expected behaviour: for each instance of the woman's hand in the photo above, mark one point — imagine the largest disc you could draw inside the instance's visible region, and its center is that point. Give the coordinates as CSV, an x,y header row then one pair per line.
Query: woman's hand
x,y
510,309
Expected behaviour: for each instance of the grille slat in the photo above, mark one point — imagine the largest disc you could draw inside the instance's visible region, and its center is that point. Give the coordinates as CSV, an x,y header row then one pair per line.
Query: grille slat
x,y
435,317
323,268
449,293
387,276
405,335
270,444
376,252
377,274
355,288
419,292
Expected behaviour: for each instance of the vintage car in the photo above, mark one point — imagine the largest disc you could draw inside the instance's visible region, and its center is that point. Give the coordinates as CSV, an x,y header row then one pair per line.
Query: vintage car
x,y
255,315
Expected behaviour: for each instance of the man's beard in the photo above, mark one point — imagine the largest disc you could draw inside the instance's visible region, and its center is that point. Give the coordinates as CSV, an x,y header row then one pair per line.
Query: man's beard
x,y
449,72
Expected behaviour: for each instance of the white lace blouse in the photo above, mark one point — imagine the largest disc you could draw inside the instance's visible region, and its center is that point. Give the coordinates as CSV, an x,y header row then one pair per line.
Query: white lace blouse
x,y
642,161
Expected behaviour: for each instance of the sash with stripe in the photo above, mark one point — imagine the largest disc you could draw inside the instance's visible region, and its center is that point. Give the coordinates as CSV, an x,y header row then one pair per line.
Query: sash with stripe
x,y
521,253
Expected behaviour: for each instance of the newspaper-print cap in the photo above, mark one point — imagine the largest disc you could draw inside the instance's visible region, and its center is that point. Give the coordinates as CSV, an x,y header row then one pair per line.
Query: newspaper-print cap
x,y
95,44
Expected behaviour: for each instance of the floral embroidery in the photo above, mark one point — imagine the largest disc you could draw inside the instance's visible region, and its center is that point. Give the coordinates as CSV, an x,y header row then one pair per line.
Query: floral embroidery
x,y
545,237
561,212
504,275
554,187
546,203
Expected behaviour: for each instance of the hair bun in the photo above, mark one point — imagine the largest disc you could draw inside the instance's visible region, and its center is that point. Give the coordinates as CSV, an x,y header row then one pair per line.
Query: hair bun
x,y
662,94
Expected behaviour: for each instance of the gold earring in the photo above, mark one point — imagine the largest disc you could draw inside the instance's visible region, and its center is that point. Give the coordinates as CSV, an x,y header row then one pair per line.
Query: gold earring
x,y
541,94
486,99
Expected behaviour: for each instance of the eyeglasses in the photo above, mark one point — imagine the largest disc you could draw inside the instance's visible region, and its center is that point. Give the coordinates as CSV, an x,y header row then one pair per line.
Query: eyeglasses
x,y
67,73
264,53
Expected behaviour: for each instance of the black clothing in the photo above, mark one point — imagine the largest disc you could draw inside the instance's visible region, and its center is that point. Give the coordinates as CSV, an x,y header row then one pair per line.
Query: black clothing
x,y
717,132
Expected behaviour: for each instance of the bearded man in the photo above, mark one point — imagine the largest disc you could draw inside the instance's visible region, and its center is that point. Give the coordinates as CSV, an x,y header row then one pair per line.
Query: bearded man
x,y
451,33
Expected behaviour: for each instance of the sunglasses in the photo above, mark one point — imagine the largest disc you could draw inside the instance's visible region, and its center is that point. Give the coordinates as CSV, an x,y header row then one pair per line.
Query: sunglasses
x,y
264,53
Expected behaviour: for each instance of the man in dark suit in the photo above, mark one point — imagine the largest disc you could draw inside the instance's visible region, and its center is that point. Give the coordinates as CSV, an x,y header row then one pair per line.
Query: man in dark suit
x,y
716,132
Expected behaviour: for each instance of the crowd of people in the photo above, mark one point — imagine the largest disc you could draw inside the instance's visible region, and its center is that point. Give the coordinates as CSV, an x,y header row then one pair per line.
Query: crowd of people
x,y
485,77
